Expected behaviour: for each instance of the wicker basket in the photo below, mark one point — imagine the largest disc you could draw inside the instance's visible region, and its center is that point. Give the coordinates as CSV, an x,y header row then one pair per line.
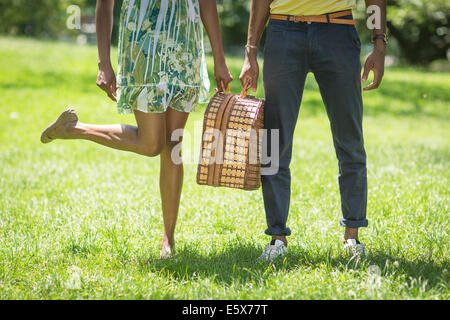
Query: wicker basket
x,y
231,143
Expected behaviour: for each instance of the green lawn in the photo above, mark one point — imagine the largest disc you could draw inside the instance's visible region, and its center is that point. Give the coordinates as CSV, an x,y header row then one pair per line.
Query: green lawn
x,y
81,221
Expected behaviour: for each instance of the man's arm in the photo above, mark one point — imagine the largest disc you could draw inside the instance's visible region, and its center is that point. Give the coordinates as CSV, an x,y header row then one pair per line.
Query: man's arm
x,y
375,61
259,14
106,78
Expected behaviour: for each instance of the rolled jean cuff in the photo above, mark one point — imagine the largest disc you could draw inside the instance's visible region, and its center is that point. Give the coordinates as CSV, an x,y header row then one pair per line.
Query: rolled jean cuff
x,y
278,231
353,223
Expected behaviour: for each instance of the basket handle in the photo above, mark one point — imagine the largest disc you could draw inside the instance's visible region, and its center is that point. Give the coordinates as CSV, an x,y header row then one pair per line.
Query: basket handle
x,y
223,88
246,87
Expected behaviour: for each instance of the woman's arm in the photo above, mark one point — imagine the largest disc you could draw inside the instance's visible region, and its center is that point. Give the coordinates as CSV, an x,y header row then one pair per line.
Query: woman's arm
x,y
106,78
210,18
259,13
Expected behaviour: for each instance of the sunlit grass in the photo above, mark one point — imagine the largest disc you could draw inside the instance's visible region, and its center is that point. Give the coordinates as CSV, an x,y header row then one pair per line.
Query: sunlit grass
x,y
81,221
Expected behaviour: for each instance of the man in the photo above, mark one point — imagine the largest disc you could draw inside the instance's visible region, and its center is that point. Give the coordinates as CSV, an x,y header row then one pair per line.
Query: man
x,y
319,37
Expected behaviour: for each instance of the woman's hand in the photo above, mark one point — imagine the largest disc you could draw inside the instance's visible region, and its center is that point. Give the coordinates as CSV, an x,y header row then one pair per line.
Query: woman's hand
x,y
106,80
210,19
223,76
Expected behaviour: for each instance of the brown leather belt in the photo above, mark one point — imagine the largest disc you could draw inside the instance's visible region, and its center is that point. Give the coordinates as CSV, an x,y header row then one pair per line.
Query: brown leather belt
x,y
324,18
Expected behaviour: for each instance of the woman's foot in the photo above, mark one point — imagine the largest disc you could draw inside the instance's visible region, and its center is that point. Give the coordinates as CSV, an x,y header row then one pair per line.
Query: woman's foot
x,y
58,128
167,250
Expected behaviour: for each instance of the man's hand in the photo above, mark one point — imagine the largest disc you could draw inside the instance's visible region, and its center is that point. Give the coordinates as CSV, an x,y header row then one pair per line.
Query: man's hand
x,y
374,62
106,80
250,69
259,14
222,75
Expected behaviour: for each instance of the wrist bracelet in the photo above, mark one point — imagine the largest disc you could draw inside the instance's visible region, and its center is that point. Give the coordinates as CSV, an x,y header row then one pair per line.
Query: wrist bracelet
x,y
381,36
251,46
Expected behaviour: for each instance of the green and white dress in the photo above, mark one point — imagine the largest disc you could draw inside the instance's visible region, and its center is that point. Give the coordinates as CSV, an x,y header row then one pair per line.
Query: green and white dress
x,y
161,56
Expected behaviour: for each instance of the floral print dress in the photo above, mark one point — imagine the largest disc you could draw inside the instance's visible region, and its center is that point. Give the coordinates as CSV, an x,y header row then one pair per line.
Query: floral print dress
x,y
161,56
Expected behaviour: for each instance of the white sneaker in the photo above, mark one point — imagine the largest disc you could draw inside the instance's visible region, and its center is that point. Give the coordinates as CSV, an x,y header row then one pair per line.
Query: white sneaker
x,y
355,248
273,250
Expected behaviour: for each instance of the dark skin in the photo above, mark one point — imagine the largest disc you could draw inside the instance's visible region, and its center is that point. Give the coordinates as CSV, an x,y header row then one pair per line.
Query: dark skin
x,y
375,61
152,135
259,15
106,79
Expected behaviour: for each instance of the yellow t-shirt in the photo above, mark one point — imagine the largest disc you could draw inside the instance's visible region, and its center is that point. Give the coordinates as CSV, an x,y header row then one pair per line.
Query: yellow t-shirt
x,y
310,7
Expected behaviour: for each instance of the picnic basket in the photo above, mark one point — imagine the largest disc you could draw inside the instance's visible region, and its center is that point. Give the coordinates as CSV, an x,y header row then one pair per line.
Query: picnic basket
x,y
230,154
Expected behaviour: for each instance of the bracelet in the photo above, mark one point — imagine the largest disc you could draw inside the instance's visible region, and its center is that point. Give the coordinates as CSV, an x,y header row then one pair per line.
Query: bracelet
x,y
381,36
251,46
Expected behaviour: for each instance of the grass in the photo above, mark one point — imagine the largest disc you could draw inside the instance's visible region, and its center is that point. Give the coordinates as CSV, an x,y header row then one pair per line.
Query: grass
x,y
80,221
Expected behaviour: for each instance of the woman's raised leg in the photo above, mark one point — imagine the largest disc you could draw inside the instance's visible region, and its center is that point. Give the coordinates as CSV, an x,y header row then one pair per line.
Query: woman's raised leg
x,y
151,137
148,138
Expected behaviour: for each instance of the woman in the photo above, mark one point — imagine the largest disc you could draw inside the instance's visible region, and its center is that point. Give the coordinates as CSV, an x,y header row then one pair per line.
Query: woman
x,y
161,76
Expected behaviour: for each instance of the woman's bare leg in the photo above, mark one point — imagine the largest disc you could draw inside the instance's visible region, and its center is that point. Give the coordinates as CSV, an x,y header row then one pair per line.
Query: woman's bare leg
x,y
151,137
171,180
148,138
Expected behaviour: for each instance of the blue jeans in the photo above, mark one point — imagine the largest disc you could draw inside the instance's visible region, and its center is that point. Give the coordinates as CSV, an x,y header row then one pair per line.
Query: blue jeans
x,y
332,53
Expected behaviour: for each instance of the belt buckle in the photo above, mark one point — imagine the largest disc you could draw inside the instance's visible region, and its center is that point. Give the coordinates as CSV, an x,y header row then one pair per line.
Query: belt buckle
x,y
295,18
